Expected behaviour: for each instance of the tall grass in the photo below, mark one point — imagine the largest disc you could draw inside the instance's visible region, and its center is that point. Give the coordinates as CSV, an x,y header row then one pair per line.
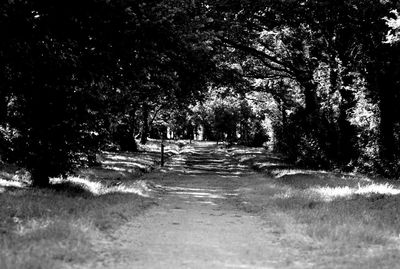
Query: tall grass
x,y
45,228
335,220
53,227
344,227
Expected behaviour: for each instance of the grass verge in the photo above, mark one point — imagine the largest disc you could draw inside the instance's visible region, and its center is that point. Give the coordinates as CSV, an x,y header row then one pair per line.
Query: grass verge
x,y
334,220
57,227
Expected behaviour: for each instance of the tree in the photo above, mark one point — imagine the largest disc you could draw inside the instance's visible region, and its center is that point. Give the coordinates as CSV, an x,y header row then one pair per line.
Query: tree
x,y
293,42
69,65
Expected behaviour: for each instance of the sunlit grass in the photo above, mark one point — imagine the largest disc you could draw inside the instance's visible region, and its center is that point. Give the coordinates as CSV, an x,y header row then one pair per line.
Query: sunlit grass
x,y
330,193
9,183
278,173
51,227
98,188
353,228
43,229
336,220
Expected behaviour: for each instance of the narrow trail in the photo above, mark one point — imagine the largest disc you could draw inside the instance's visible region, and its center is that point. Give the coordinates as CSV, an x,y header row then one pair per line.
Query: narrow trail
x,y
197,223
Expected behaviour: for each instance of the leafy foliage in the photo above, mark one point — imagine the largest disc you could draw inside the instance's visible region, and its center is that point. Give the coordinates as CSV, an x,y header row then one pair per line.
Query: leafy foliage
x,y
81,76
322,63
76,75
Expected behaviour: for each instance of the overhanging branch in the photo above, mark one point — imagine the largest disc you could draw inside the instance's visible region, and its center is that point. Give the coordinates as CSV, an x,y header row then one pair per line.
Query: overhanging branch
x,y
266,59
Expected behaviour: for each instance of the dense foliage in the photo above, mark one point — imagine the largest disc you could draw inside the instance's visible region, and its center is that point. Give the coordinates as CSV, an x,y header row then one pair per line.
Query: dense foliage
x,y
332,69
77,74
318,79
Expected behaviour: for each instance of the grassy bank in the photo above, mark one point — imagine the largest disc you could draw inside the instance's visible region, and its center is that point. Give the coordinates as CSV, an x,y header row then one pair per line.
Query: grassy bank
x,y
57,227
47,228
326,219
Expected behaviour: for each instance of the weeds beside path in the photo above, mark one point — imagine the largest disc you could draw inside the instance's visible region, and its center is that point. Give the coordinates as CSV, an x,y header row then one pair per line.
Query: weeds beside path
x,y
58,227
334,220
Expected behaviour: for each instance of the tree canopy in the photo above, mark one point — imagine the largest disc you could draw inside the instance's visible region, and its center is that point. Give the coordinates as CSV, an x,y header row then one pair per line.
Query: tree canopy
x,y
81,76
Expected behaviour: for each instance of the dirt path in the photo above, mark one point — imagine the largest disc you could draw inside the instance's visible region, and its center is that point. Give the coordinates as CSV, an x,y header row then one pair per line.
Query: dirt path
x,y
196,224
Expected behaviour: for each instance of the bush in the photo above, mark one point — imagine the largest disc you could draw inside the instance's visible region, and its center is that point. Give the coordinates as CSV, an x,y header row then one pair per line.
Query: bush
x,y
304,142
256,137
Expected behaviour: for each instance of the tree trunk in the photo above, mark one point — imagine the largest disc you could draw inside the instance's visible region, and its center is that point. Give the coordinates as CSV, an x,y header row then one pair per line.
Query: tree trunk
x,y
311,108
130,142
40,160
311,115
283,113
40,177
127,140
387,140
92,159
145,128
311,102
383,83
346,150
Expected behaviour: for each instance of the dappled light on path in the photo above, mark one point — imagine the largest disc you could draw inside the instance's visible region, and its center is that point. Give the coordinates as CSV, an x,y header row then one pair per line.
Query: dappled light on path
x,y
208,160
197,223
199,193
207,174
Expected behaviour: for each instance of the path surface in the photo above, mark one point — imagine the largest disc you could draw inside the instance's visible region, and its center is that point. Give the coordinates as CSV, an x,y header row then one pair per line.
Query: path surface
x,y
197,223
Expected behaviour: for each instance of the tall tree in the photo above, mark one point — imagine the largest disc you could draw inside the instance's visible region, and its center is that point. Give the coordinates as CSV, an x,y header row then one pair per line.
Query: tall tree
x,y
67,64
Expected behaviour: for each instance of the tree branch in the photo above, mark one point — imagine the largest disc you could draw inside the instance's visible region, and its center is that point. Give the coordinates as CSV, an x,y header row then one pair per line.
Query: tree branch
x,y
266,59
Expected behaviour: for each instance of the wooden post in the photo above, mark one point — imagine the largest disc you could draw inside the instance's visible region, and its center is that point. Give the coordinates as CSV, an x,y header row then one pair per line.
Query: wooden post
x,y
162,152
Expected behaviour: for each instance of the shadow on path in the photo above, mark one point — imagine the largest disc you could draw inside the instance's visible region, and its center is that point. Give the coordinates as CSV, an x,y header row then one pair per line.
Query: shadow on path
x,y
197,223
207,159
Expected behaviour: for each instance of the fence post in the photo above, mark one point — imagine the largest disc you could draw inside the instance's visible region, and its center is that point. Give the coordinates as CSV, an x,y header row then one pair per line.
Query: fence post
x,y
162,152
